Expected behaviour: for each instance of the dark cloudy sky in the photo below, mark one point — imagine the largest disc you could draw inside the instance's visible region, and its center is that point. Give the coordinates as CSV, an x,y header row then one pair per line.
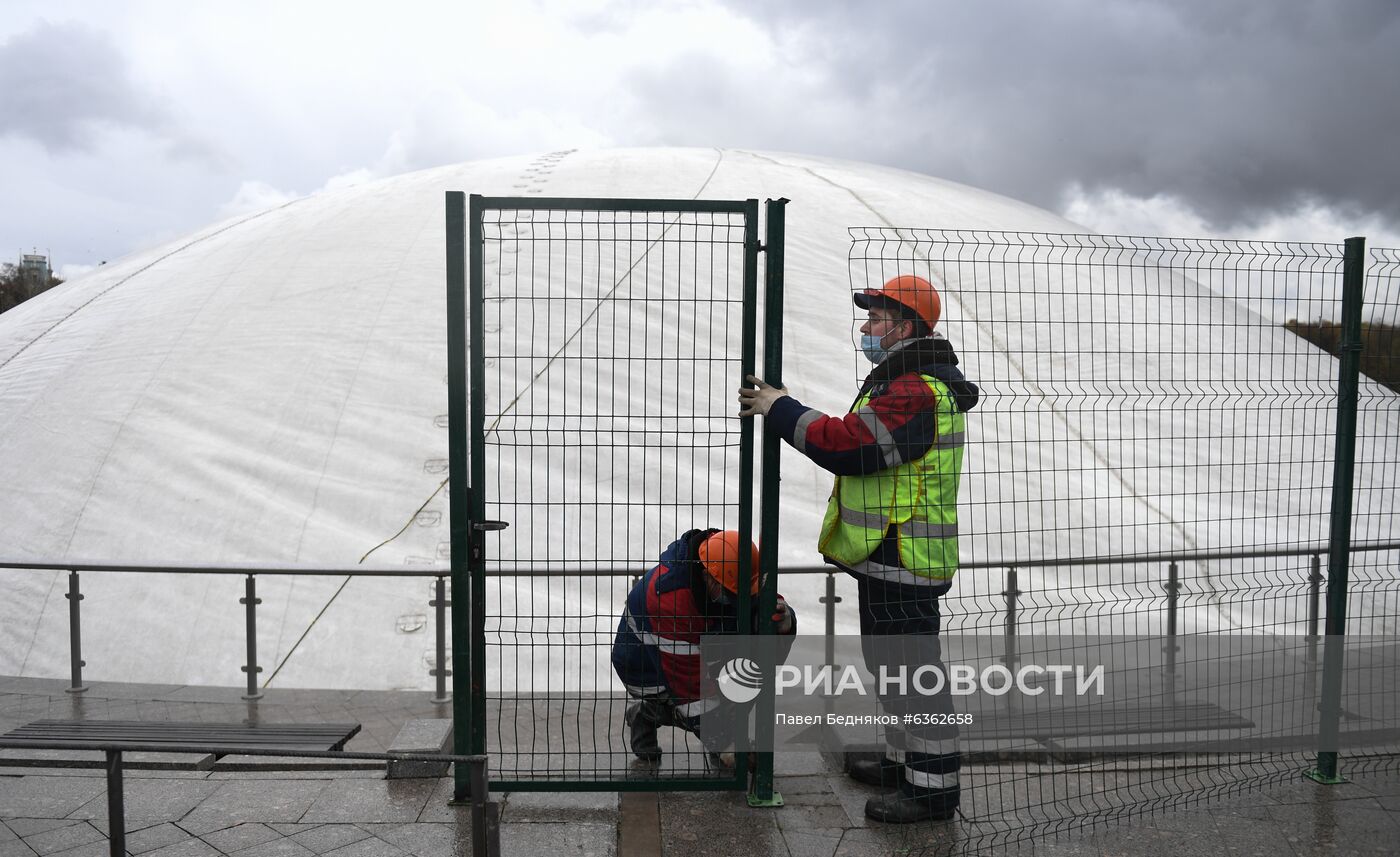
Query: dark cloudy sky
x,y
123,125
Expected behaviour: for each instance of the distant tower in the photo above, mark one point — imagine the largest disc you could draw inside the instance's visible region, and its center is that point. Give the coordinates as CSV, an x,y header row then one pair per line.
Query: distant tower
x,y
34,269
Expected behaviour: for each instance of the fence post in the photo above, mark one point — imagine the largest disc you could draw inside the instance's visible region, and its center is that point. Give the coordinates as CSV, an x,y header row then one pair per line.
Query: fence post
x,y
486,827
1173,587
251,602
440,670
75,633
761,792
462,419
1339,549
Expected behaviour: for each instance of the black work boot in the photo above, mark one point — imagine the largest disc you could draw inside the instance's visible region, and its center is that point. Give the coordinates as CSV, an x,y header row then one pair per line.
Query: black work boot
x,y
641,731
884,773
903,808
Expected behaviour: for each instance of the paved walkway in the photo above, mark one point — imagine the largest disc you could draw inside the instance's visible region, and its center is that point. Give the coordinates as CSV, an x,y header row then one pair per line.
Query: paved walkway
x,y
1261,807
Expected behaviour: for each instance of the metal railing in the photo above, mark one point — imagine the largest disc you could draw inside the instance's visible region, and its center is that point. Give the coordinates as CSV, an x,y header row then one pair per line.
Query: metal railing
x,y
1171,584
250,600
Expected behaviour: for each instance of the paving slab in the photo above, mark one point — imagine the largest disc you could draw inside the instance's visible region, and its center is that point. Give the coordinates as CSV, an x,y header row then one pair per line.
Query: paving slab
x,y
559,839
46,796
153,799
811,844
797,763
65,838
275,848
92,849
153,837
239,801
33,826
322,838
559,806
241,836
722,824
370,801
930,840
188,848
430,840
371,847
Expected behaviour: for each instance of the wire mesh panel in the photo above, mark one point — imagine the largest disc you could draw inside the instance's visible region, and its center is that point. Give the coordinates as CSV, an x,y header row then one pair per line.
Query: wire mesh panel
x,y
612,334
1152,457
1373,590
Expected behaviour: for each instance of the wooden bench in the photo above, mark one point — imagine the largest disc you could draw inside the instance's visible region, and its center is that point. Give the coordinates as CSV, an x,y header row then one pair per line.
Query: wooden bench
x,y
114,737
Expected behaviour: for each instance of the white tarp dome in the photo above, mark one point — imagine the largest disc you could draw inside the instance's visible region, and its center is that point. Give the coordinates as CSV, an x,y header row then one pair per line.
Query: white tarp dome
x,y
271,391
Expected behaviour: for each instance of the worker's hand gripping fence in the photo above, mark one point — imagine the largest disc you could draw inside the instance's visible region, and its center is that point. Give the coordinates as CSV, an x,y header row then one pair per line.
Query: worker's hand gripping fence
x,y
1153,458
607,338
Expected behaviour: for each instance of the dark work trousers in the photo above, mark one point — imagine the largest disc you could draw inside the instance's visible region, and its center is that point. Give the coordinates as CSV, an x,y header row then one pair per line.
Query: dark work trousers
x,y
899,629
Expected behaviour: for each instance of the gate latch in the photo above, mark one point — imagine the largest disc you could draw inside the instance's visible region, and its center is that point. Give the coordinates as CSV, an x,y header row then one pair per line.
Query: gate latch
x,y
479,527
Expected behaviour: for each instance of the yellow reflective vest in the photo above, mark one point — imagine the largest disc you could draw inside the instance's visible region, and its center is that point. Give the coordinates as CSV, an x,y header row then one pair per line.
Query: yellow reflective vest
x,y
918,498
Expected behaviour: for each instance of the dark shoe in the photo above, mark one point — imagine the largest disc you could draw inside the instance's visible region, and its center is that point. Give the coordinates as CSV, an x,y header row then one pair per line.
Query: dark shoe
x,y
900,808
876,772
641,731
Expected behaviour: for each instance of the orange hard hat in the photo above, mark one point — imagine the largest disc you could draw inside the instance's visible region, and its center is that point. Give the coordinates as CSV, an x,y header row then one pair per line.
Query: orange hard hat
x,y
719,555
910,292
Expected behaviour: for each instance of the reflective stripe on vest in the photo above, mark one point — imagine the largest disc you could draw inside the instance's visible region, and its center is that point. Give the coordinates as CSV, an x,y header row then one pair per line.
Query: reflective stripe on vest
x,y
917,498
675,647
895,574
888,450
912,529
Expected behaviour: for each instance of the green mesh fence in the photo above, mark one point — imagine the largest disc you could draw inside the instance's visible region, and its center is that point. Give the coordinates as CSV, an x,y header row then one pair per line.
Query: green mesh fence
x,y
1153,455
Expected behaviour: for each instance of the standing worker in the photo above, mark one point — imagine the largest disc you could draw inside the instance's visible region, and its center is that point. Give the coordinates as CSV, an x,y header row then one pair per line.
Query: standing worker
x,y
691,592
891,521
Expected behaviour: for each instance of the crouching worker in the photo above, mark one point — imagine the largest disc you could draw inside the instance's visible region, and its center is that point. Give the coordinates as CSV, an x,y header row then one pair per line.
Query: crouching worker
x,y
692,591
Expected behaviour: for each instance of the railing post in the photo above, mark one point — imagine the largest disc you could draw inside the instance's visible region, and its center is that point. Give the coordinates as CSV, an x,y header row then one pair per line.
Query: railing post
x,y
75,633
830,600
440,670
1011,593
251,602
1339,550
1314,595
1173,587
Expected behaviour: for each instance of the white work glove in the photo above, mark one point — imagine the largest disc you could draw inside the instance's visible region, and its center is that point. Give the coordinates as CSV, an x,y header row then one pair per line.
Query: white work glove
x,y
759,398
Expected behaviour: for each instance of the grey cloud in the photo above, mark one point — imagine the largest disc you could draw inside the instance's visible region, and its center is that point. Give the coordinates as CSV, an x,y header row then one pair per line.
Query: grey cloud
x,y
1237,108
60,82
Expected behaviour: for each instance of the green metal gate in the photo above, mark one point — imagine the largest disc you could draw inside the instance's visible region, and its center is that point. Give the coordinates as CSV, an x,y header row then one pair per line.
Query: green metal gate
x,y
595,346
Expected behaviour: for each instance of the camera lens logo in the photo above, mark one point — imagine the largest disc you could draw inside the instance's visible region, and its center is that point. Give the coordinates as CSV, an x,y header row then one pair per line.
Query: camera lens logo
x,y
740,680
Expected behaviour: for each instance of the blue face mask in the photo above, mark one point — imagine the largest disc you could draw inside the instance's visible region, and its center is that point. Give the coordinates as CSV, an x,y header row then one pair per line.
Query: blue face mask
x,y
870,346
